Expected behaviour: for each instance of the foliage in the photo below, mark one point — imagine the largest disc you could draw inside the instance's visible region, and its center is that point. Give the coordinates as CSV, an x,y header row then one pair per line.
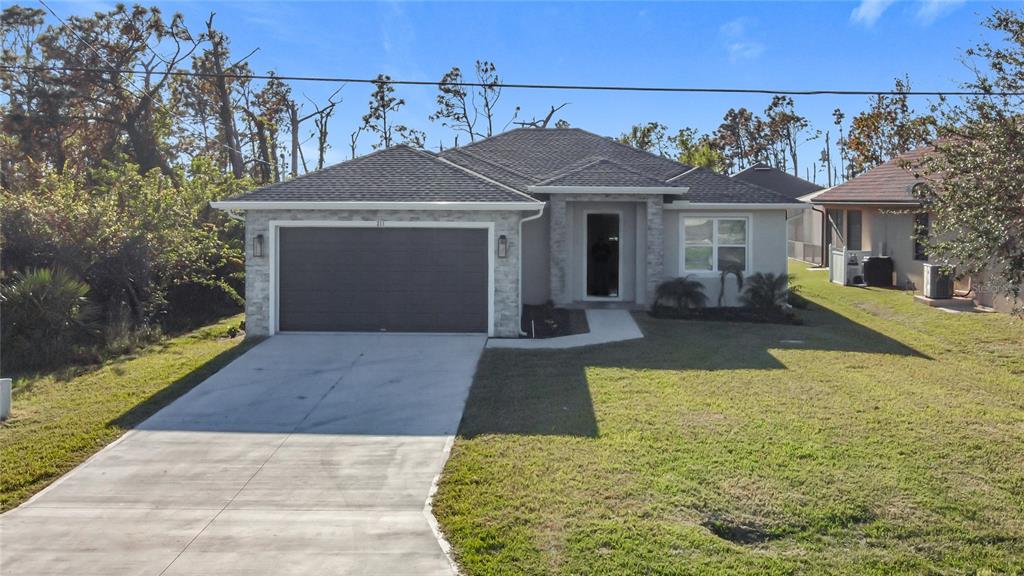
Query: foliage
x,y
683,293
46,314
696,149
766,292
975,175
150,251
886,129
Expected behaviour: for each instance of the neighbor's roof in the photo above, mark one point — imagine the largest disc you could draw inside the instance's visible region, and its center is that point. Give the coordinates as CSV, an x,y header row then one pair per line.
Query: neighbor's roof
x,y
711,187
888,183
397,174
539,154
782,182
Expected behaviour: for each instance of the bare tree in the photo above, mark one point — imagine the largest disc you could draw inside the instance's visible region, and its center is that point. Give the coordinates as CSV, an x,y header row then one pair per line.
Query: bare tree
x,y
543,122
455,106
382,103
489,92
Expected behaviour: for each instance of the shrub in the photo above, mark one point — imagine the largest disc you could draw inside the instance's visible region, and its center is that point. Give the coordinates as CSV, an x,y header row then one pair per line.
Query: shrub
x,y
683,293
46,316
766,292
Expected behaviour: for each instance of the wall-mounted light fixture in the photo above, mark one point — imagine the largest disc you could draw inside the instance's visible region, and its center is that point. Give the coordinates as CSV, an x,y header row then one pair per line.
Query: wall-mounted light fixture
x,y
502,246
257,246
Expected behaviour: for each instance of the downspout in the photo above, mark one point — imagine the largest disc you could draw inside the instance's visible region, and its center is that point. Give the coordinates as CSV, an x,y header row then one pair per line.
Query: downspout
x,y
534,217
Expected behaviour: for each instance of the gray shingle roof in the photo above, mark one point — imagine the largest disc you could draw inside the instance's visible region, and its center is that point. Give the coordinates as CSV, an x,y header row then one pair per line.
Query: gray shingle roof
x,y
774,179
397,174
541,154
601,173
502,168
707,186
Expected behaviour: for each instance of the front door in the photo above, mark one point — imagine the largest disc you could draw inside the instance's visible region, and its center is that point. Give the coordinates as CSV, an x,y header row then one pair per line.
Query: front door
x,y
603,232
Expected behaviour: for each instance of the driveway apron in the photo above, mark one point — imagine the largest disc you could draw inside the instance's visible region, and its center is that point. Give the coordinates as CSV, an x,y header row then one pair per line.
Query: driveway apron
x,y
310,454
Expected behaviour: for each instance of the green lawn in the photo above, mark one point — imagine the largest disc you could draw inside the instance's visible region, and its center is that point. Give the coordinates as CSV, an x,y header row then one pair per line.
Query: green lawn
x,y
58,422
882,437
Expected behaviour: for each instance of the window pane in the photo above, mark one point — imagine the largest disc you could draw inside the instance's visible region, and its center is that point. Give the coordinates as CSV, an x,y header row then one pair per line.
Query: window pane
x,y
732,232
698,231
698,258
732,257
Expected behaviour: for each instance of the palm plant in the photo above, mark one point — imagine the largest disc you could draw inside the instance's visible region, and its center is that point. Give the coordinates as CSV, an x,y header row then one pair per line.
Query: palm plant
x,y
683,292
766,292
730,268
46,313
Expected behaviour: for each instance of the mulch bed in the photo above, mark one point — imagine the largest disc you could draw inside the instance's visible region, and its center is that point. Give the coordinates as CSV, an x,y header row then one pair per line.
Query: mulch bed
x,y
728,314
551,322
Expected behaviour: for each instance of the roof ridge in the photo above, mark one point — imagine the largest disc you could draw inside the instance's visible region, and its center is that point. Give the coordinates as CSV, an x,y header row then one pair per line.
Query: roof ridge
x,y
477,175
593,161
491,162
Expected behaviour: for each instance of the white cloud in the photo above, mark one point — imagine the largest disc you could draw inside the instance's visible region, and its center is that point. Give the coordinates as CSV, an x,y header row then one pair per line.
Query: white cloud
x,y
932,10
869,11
739,41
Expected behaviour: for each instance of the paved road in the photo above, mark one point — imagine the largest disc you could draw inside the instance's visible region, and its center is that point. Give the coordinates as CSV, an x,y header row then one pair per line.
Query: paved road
x,y
310,454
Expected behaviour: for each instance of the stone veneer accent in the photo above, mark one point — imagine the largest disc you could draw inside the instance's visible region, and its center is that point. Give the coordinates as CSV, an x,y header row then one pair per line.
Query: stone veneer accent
x,y
506,270
561,239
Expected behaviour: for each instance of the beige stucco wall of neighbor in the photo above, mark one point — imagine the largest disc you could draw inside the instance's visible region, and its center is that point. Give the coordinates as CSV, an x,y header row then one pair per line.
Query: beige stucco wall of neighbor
x,y
890,232
767,243
506,270
536,262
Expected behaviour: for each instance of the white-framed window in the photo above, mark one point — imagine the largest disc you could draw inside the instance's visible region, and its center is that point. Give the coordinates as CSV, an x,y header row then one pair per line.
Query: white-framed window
x,y
713,243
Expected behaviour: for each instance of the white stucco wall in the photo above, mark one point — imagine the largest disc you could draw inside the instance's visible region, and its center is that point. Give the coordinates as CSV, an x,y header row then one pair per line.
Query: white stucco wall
x,y
766,243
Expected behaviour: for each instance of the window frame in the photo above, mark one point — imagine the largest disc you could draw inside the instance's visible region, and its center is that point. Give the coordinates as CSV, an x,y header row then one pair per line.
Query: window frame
x,y
715,245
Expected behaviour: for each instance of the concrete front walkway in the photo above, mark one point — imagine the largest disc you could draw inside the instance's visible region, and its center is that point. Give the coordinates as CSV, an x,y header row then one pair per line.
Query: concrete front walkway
x,y
606,326
310,454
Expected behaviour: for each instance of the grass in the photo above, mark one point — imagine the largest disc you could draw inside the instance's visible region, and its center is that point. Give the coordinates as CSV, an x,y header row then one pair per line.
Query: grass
x,y
882,437
60,420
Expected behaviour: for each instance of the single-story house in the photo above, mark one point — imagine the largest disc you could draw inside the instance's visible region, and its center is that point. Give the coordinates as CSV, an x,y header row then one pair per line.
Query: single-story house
x,y
877,213
407,240
805,233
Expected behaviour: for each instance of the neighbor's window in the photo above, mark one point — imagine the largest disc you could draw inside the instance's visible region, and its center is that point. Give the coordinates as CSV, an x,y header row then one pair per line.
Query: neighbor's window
x,y
714,244
921,230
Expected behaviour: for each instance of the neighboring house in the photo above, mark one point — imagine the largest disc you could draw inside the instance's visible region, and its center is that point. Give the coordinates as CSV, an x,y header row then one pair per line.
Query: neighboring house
x,y
408,240
804,234
877,214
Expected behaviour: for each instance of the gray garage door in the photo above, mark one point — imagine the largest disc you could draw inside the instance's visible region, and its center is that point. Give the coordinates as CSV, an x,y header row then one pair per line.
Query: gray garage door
x,y
393,279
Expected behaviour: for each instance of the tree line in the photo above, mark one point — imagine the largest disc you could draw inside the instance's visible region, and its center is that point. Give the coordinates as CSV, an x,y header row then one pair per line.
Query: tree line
x,y
886,128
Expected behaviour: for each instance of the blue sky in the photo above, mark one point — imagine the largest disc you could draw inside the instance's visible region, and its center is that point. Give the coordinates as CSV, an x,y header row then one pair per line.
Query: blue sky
x,y
786,45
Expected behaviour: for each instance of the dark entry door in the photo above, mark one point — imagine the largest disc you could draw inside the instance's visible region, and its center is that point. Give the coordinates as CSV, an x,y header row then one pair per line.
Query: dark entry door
x,y
383,279
603,255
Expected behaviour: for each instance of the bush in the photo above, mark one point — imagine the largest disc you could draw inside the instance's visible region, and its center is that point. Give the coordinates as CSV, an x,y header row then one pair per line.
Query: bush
x,y
46,319
683,293
766,292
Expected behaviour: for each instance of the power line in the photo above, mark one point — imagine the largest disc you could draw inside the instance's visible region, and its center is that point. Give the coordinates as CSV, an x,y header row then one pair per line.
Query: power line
x,y
529,86
113,69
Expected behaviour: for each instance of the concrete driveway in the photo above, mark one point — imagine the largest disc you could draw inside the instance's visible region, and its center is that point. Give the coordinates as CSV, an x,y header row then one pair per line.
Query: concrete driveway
x,y
310,454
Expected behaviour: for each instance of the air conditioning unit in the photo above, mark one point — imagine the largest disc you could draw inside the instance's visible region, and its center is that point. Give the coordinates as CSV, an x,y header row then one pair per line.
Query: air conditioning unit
x,y
938,285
